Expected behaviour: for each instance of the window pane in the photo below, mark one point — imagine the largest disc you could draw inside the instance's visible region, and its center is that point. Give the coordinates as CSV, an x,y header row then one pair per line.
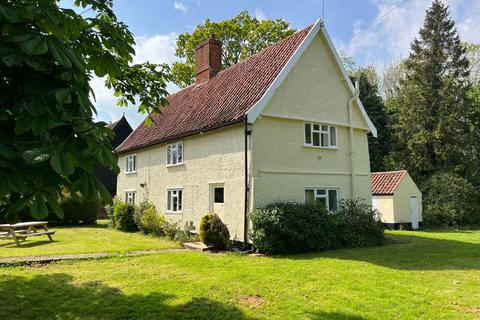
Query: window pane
x,y
324,140
169,200
180,152
218,192
179,200
174,155
333,136
169,154
332,200
133,197
316,139
322,202
321,192
316,127
126,164
134,164
325,128
308,133
174,203
309,197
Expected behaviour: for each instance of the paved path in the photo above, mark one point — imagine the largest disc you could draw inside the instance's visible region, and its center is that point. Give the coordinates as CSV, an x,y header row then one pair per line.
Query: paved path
x,y
28,260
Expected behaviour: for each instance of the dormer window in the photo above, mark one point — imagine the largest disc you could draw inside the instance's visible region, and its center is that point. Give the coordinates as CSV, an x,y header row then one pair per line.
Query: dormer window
x,y
175,153
320,135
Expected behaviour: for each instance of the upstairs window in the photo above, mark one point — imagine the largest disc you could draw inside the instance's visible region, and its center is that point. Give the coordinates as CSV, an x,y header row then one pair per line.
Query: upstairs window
x,y
174,200
131,163
175,153
320,135
328,198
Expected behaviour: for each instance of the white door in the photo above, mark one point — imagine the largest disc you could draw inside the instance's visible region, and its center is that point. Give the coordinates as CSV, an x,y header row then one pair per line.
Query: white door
x,y
217,198
414,212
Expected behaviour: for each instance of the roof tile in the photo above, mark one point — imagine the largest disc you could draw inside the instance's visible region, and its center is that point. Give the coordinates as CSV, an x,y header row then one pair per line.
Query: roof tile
x,y
385,183
223,100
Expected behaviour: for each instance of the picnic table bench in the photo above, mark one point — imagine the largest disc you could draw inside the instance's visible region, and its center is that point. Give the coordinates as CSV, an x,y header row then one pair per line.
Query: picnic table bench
x,y
22,230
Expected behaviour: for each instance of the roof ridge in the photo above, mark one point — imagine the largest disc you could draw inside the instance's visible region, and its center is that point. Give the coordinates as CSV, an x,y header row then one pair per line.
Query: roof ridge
x,y
393,171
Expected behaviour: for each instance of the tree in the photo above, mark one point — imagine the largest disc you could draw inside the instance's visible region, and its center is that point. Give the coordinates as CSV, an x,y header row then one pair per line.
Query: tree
x,y
241,37
49,142
378,147
473,55
433,123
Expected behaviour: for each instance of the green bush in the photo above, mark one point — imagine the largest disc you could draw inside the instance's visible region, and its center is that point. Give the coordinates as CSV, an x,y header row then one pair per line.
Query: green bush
x,y
151,221
77,209
123,217
213,232
357,225
292,228
450,200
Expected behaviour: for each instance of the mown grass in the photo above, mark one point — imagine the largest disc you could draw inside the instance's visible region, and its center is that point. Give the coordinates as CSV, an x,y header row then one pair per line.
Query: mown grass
x,y
85,239
417,275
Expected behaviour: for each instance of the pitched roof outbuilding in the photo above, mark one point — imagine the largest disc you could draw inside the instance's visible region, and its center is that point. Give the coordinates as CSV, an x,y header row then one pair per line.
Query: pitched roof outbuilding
x,y
221,101
385,183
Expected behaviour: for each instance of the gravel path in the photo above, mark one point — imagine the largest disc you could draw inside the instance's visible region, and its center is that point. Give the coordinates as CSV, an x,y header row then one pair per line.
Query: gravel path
x,y
33,260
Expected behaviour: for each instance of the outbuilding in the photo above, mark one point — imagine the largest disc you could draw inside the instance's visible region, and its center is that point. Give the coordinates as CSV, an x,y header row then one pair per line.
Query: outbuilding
x,y
396,196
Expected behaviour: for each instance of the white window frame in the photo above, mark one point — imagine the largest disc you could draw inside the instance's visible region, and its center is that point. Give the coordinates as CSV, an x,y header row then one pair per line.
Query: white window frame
x,y
321,131
131,163
173,193
169,149
326,189
130,196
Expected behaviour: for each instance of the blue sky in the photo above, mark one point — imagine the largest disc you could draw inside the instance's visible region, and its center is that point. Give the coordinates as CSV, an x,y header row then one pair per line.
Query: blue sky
x,y
156,23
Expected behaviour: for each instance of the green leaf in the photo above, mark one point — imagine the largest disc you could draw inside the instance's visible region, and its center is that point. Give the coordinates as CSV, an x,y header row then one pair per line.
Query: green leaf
x,y
6,152
84,186
38,209
35,156
36,107
17,184
9,14
18,205
103,192
4,191
63,96
34,46
57,210
63,163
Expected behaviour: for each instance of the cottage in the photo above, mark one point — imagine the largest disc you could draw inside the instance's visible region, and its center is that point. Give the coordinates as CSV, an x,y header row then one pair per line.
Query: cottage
x,y
396,196
286,124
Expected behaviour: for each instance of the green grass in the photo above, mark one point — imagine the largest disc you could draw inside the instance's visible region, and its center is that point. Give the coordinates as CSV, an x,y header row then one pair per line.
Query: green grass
x,y
84,240
417,275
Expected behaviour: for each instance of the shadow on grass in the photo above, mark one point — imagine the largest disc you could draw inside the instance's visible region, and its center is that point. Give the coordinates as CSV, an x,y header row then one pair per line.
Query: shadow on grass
x,y
410,252
333,316
56,296
27,244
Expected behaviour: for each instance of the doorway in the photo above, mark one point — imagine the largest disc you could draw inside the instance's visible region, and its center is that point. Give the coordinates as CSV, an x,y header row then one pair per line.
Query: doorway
x,y
414,212
217,200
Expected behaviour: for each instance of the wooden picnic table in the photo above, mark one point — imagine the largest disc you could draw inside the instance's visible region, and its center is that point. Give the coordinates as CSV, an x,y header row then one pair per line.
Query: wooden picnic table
x,y
22,230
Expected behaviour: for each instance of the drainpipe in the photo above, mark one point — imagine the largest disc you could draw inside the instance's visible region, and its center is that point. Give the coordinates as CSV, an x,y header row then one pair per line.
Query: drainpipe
x,y
245,213
352,162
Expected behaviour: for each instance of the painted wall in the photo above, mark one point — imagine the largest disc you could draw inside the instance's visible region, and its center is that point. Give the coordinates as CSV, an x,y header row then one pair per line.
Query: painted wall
x,y
386,207
314,91
216,157
402,194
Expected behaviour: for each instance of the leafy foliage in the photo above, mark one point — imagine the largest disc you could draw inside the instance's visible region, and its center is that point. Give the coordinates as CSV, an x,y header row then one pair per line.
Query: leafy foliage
x,y
78,209
433,102
292,228
213,232
379,147
149,220
358,225
123,217
449,199
49,141
241,37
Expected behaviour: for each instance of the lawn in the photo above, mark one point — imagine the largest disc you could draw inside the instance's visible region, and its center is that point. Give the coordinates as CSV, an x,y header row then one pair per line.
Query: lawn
x,y
87,239
417,275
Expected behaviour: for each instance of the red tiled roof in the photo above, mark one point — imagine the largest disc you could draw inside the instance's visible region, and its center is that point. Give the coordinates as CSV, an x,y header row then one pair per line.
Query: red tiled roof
x,y
385,183
221,101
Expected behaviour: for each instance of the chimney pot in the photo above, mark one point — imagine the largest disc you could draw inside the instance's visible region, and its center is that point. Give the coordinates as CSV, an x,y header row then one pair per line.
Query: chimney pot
x,y
208,59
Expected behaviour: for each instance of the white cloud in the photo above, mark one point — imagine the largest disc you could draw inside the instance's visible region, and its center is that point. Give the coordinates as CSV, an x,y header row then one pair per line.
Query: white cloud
x,y
391,37
260,14
179,6
155,49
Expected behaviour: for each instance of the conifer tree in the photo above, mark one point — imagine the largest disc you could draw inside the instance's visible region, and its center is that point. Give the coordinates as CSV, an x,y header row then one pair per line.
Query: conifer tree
x,y
433,123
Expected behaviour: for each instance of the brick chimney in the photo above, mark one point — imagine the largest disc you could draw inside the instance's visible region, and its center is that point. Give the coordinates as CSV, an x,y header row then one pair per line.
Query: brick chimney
x,y
208,59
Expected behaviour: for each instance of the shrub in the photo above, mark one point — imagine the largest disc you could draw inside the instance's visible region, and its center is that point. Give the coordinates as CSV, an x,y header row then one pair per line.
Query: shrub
x,y
152,222
77,209
286,227
358,225
213,232
451,200
123,217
